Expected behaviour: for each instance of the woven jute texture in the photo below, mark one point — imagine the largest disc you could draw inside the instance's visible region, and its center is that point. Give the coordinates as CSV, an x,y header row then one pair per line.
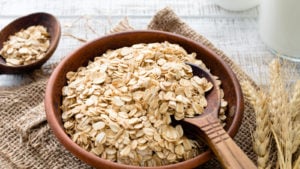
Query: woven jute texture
x,y
26,140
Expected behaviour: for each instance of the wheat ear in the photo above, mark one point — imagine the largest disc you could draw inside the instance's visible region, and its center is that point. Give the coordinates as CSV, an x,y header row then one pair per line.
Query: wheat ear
x,y
261,135
280,116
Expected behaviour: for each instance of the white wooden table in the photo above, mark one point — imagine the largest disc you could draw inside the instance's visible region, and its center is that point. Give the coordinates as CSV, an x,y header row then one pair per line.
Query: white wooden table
x,y
236,33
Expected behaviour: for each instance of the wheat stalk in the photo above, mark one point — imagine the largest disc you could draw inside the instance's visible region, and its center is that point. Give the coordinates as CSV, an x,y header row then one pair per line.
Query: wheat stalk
x,y
295,113
280,116
284,123
297,163
261,135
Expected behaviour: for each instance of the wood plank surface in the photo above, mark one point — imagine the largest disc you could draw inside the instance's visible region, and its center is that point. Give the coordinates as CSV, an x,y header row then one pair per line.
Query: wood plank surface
x,y
234,32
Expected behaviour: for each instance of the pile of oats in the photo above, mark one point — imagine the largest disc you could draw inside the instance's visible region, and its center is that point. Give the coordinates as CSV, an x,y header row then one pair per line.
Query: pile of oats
x,y
119,106
26,46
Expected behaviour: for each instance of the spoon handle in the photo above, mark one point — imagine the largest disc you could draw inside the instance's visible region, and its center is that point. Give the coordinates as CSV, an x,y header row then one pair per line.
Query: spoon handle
x,y
227,151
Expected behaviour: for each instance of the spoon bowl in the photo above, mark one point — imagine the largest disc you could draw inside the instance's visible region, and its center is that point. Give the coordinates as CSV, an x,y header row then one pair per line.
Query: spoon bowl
x,y
53,28
226,150
213,96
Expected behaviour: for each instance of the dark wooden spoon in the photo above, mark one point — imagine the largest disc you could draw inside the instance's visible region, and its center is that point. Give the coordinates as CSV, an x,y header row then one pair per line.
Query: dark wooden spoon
x,y
44,19
226,150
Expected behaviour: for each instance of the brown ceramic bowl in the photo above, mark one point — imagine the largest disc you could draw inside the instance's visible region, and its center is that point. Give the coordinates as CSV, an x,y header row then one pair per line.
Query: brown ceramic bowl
x,y
94,48
44,19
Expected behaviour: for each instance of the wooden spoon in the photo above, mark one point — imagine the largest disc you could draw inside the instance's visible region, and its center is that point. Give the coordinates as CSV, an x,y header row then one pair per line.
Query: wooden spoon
x,y
44,19
226,150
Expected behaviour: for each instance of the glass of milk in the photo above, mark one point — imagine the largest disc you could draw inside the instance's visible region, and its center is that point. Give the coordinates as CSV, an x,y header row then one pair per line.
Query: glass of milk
x,y
279,27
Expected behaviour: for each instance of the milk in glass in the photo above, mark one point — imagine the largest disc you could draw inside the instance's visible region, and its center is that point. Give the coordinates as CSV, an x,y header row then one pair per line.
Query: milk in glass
x,y
279,27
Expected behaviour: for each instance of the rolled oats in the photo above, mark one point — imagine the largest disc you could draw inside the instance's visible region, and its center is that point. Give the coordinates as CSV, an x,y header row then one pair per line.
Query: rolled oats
x,y
119,106
26,46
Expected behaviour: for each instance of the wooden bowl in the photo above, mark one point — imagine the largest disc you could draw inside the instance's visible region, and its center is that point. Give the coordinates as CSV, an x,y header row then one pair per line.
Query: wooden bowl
x,y
44,19
81,56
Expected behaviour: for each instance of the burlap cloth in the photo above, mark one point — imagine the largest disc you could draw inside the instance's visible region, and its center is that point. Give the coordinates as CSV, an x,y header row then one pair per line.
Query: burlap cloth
x,y
26,140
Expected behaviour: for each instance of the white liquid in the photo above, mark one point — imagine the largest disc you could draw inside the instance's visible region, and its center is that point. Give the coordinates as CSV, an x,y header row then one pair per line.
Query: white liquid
x,y
279,26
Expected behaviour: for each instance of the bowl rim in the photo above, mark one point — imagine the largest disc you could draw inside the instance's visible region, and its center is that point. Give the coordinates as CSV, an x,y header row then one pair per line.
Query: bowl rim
x,y
92,159
54,40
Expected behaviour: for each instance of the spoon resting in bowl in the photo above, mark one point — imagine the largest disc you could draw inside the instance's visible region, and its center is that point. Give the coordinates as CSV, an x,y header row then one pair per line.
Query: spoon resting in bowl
x,y
225,149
